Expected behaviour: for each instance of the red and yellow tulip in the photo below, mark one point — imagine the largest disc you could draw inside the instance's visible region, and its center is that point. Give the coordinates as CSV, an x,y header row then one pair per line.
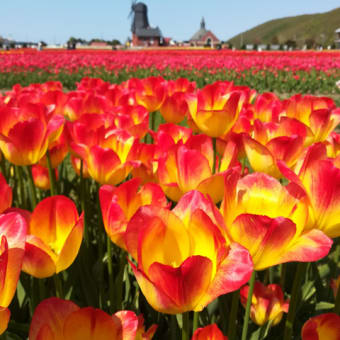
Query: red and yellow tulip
x,y
57,319
267,303
269,220
26,132
322,327
216,108
190,264
54,237
211,332
118,205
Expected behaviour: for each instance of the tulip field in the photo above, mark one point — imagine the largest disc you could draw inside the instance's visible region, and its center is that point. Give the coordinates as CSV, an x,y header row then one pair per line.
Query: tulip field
x,y
169,194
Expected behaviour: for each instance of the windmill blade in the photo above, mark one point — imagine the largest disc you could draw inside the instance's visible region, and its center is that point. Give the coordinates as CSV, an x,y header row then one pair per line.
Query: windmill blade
x,y
133,2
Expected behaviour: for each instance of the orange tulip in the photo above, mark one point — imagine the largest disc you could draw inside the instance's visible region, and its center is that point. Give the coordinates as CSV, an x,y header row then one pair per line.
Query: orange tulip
x,y
211,332
118,205
12,247
57,319
190,264
322,327
267,304
54,237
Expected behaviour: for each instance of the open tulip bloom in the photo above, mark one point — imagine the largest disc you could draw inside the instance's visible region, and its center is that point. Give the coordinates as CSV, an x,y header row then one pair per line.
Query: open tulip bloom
x,y
269,220
190,263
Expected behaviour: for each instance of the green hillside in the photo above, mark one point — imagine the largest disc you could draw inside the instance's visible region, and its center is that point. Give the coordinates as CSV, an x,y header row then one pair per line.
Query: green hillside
x,y
318,28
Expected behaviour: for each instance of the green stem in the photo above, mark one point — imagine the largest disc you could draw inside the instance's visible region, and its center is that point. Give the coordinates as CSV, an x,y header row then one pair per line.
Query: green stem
x,y
283,270
119,280
83,194
173,329
195,321
51,174
110,271
247,313
58,286
33,193
215,155
294,299
233,315
185,326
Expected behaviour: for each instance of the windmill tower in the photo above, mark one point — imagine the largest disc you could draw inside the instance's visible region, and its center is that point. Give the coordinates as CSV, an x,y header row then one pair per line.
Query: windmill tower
x,y
142,33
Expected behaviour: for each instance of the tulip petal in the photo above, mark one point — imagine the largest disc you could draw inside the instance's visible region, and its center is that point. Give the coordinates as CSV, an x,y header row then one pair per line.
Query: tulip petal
x,y
233,271
126,323
5,315
88,324
325,326
39,260
211,332
52,313
71,246
310,246
185,284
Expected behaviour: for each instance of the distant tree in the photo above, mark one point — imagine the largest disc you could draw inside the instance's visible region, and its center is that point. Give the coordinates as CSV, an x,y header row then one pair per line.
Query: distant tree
x,y
310,43
290,43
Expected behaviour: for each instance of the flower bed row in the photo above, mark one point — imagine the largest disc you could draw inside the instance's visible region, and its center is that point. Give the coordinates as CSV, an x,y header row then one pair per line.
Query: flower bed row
x,y
284,72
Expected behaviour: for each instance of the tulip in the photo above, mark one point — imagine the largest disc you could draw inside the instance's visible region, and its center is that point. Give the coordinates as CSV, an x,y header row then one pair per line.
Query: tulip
x,y
41,177
55,319
215,109
26,132
319,179
54,237
269,220
324,326
190,264
267,304
118,205
211,332
12,247
190,167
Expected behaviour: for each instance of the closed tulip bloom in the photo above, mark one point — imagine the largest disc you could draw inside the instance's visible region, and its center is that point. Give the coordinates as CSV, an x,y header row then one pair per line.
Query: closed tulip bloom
x,y
190,263
267,304
322,327
26,132
211,332
57,319
119,204
41,177
12,247
54,237
215,108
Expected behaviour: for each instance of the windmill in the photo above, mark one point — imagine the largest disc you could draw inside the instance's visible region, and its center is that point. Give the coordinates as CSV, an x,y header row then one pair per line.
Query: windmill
x,y
139,11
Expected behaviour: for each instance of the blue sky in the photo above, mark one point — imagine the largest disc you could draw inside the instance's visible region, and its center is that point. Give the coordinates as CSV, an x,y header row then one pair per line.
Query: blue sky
x,y
55,21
